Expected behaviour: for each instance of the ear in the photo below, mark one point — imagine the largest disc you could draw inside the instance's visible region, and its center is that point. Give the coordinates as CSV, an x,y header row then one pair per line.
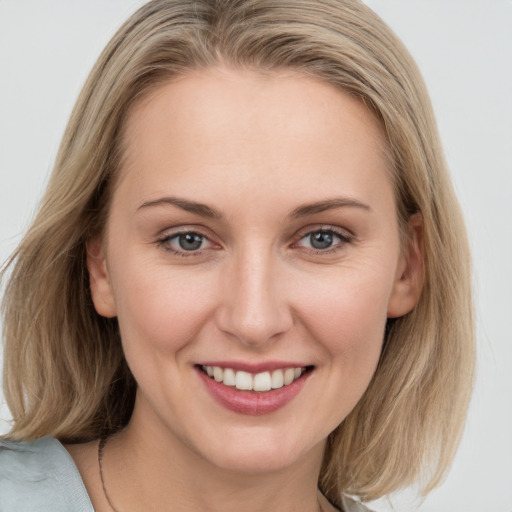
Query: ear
x,y
409,276
99,279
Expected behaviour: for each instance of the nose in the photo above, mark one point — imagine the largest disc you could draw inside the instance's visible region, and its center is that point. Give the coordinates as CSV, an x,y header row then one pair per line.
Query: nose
x,y
253,306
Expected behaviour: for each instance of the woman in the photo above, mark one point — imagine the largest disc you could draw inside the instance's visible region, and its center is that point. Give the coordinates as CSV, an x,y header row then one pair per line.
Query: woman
x,y
248,283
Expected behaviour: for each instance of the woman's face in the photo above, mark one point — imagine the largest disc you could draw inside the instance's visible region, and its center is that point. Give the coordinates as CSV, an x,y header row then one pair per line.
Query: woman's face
x,y
253,236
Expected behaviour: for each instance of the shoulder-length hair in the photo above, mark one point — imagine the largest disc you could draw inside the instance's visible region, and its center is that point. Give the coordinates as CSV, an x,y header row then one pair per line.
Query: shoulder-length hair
x,y
65,374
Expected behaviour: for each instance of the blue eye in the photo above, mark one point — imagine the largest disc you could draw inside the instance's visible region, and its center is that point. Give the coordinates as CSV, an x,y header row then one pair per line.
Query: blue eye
x,y
185,242
189,241
323,239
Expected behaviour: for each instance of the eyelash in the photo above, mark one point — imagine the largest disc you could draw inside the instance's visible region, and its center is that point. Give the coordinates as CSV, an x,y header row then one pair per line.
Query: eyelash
x,y
327,230
165,241
344,239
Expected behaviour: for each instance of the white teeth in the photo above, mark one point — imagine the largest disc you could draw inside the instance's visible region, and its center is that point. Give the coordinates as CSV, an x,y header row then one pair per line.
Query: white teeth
x,y
289,376
262,382
218,374
277,379
243,380
229,377
246,381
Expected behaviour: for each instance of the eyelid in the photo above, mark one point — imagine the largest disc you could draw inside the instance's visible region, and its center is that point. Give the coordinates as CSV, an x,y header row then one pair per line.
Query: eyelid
x,y
343,234
163,239
166,235
182,229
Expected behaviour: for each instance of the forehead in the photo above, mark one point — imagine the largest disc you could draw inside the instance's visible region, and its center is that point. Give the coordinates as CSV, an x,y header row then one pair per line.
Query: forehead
x,y
280,127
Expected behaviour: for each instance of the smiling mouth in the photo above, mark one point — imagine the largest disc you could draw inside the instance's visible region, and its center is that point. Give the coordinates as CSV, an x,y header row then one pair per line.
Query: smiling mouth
x,y
261,382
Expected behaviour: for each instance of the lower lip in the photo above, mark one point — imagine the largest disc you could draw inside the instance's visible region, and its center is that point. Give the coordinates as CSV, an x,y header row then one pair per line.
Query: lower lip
x,y
253,403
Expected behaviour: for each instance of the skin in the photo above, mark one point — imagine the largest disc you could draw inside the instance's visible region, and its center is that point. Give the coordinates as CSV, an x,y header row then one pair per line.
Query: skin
x,y
255,148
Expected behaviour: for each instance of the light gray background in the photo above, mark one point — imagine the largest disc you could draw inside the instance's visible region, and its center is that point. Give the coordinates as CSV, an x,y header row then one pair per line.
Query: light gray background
x,y
464,49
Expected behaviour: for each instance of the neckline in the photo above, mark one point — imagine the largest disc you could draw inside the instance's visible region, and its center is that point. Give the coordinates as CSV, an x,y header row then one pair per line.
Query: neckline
x,y
68,474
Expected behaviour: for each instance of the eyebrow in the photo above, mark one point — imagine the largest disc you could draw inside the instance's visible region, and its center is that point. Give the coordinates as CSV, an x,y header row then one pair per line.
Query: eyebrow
x,y
200,209
329,204
204,210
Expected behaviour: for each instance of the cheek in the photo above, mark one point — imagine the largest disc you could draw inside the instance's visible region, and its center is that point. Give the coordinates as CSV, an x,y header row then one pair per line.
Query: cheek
x,y
159,309
347,314
347,322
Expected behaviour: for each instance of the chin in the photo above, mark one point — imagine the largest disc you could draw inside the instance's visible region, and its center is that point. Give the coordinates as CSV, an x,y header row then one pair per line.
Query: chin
x,y
254,453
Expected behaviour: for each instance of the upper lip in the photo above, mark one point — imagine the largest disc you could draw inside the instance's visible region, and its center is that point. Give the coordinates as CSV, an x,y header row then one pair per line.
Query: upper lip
x,y
250,367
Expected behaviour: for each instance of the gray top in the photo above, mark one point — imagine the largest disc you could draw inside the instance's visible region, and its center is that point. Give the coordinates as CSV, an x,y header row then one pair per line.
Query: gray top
x,y
41,476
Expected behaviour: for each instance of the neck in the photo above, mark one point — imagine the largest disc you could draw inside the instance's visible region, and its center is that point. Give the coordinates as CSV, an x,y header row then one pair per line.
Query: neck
x,y
148,468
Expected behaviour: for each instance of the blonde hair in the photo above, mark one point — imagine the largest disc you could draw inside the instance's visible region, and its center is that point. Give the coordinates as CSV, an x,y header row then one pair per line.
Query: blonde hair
x,y
65,374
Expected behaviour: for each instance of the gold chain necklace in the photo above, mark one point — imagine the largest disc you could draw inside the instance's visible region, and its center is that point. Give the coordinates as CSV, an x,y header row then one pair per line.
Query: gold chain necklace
x,y
101,449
